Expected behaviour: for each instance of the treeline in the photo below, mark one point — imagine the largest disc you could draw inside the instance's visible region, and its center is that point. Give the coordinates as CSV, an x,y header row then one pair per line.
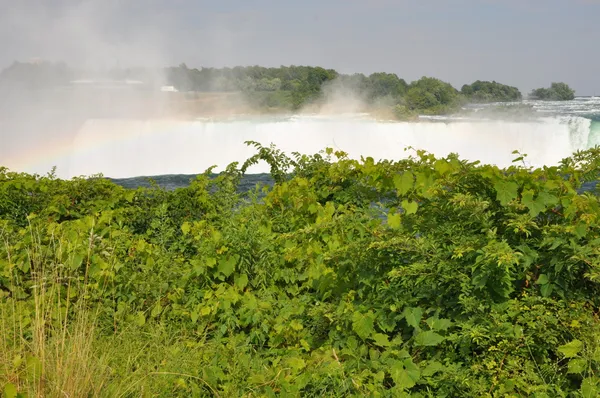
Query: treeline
x,y
295,87
483,91
556,92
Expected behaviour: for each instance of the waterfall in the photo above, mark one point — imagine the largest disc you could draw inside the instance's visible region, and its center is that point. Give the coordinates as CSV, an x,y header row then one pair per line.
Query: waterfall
x,y
125,148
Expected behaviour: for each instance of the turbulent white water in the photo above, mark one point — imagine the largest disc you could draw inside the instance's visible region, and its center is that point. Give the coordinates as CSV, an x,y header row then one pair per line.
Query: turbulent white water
x,y
127,148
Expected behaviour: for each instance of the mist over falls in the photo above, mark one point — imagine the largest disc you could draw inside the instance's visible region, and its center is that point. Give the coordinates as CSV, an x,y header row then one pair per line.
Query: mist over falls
x,y
119,147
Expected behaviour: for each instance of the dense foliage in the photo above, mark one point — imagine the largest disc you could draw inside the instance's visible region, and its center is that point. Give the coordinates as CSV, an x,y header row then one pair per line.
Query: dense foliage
x,y
424,277
484,91
432,96
556,92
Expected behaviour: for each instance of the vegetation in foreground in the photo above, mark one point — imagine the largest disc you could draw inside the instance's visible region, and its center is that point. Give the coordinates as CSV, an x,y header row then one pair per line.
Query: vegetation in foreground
x,y
423,277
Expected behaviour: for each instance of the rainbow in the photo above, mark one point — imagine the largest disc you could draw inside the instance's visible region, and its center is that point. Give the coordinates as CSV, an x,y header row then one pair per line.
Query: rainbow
x,y
128,147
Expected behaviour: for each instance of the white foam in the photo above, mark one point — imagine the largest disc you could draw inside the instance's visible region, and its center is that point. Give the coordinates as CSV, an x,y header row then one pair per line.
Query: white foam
x,y
126,148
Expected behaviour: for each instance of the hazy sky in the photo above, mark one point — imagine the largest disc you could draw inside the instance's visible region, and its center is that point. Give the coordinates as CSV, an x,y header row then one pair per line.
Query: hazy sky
x,y
526,43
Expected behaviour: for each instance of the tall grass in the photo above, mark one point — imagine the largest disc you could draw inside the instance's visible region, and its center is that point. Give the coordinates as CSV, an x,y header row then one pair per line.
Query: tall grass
x,y
51,346
48,329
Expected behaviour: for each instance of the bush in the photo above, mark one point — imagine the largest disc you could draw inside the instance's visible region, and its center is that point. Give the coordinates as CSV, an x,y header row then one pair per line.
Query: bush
x,y
556,92
420,277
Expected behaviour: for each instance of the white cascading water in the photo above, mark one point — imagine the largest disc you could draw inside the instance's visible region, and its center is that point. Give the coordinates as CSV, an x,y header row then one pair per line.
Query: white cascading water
x,y
127,148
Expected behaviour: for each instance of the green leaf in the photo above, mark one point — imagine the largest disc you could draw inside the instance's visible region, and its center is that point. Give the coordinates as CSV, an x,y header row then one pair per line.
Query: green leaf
x,y
581,230
241,281
185,228
428,338
410,207
381,340
34,367
570,350
589,387
156,310
506,191
404,182
442,166
432,368
405,374
363,324
130,195
413,316
546,290
140,318
10,391
577,366
547,199
295,325
227,265
596,355
542,280
439,323
535,206
194,316
394,220
77,260
296,363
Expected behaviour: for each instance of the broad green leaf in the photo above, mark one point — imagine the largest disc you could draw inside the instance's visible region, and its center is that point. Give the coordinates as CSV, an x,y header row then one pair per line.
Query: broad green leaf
x,y
547,199
428,338
140,318
404,182
227,265
581,230
535,206
506,191
590,388
432,368
424,181
241,281
442,166
363,324
410,207
210,262
381,340
296,363
542,280
77,260
413,316
394,220
405,374
570,350
439,323
596,355
10,391
577,366
546,290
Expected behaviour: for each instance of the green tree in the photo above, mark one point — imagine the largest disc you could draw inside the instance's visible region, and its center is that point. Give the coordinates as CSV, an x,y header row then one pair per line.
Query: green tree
x,y
556,92
431,95
485,91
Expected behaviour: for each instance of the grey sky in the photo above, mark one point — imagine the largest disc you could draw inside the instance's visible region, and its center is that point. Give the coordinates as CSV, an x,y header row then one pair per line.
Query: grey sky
x,y
526,43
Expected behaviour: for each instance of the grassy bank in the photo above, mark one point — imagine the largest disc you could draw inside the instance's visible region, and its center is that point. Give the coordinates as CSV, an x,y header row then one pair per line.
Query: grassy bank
x,y
423,277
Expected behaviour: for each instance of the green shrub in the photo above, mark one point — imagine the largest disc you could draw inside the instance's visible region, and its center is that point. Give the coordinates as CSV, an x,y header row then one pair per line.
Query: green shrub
x,y
431,277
